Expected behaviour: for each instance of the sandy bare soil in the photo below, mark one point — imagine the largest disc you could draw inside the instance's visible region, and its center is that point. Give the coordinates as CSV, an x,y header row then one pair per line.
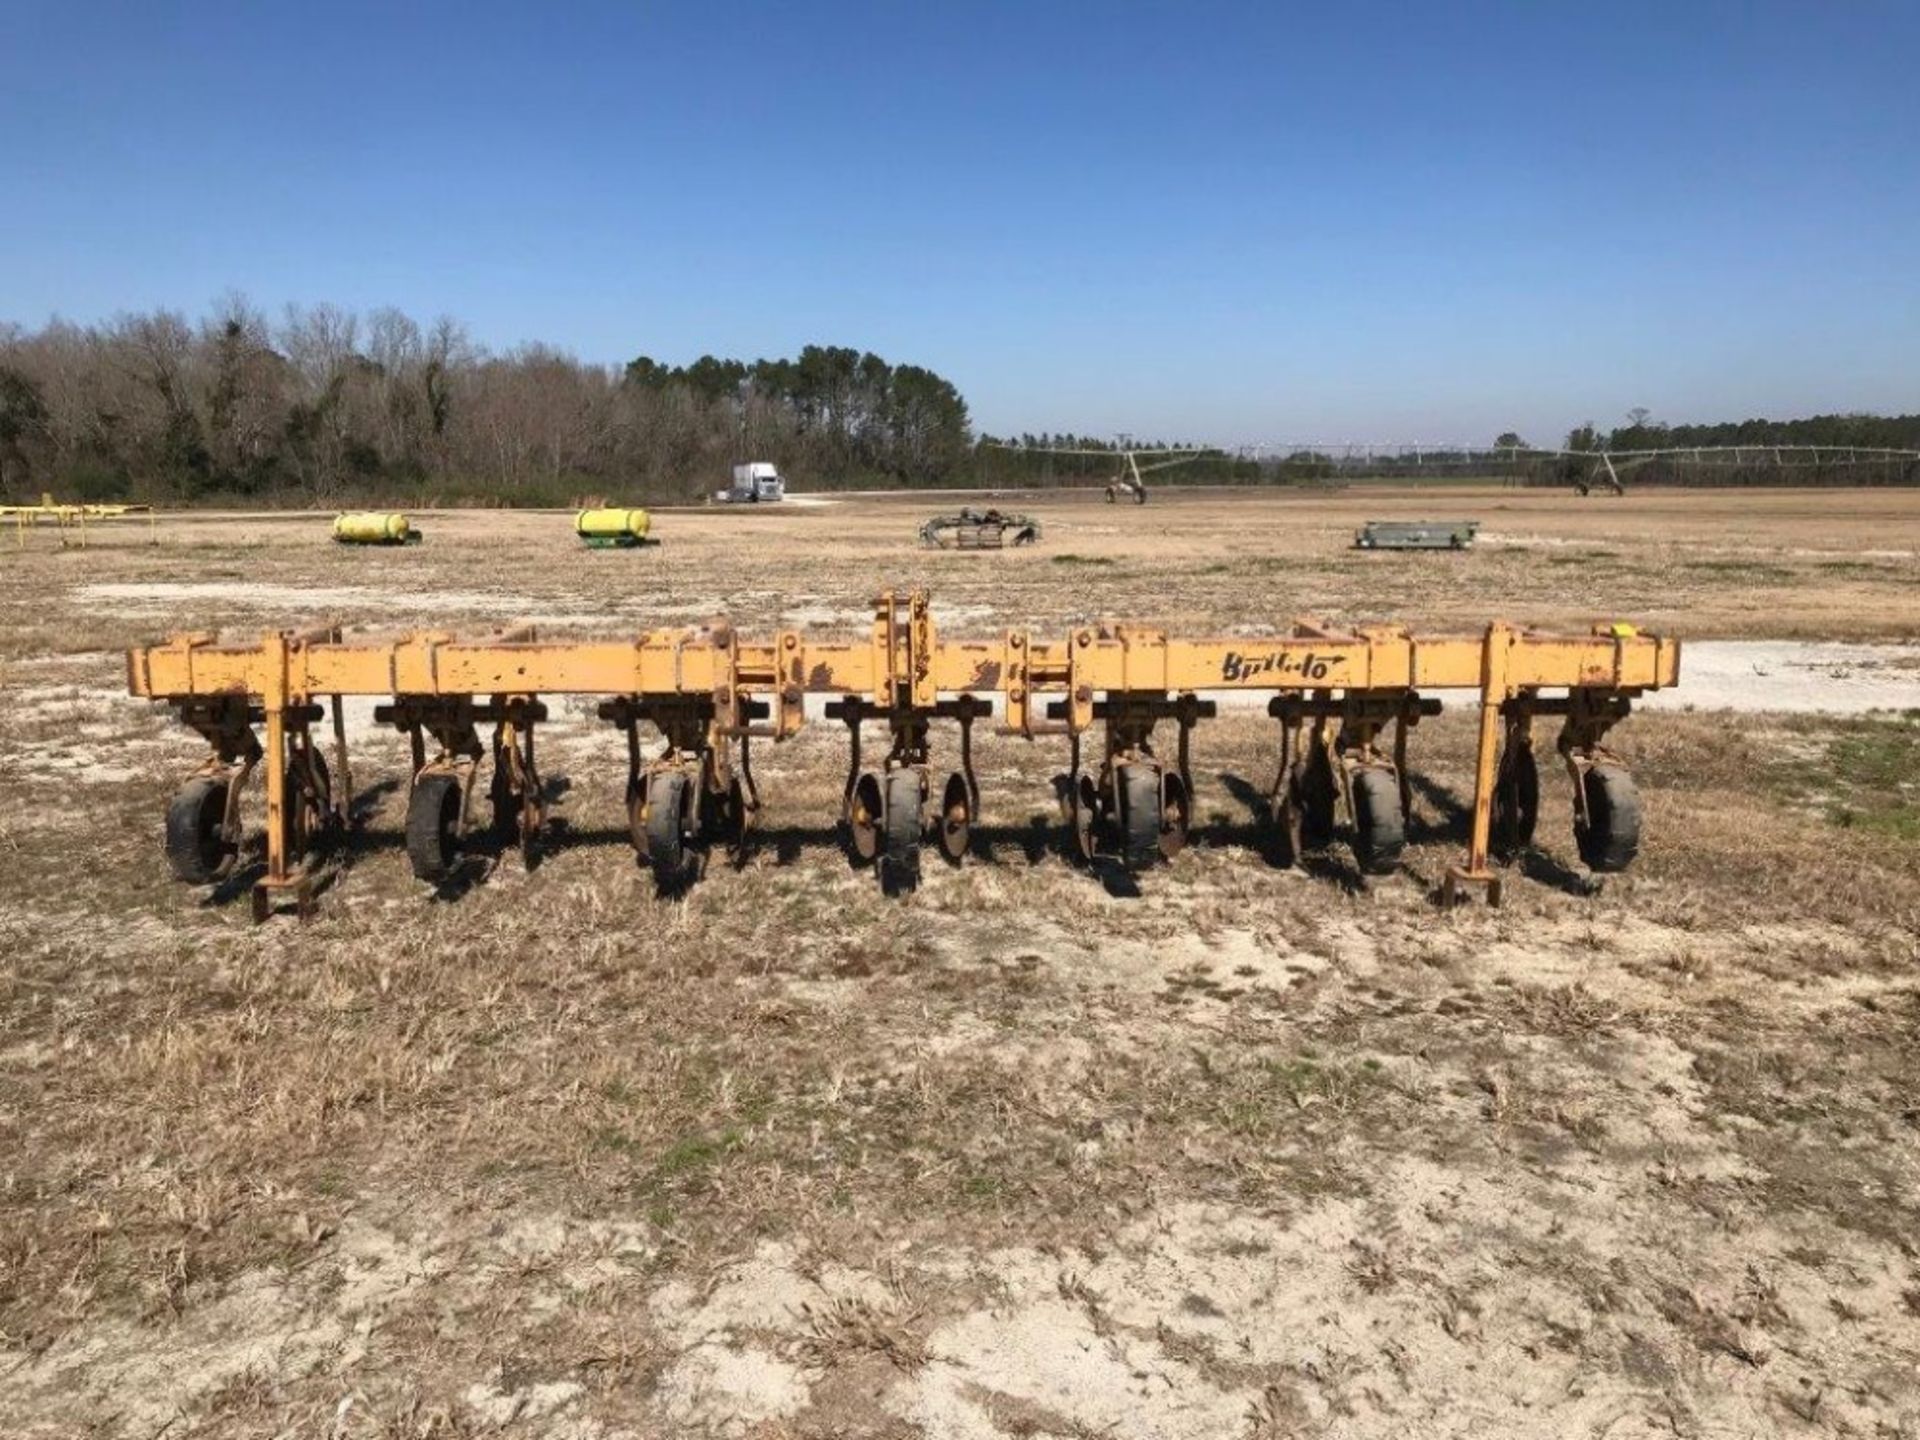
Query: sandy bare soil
x,y
1822,565
1036,1151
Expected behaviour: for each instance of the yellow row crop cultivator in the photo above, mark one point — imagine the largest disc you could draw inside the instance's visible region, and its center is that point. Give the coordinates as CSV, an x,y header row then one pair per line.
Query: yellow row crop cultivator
x,y
1344,702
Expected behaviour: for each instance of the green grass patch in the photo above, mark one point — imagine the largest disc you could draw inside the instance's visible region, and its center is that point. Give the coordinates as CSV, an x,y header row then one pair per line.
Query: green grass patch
x,y
982,1185
1866,778
1584,557
1267,564
691,1155
1861,569
1754,572
1071,559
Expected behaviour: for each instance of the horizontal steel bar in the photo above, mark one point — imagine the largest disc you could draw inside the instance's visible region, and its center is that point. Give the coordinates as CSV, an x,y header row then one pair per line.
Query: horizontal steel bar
x,y
902,665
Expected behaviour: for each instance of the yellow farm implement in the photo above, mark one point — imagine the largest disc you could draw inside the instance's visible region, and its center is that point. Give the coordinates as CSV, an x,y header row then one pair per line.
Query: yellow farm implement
x,y
710,693
68,516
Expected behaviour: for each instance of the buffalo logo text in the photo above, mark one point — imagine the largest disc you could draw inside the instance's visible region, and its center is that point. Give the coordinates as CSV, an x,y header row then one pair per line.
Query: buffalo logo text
x,y
1284,664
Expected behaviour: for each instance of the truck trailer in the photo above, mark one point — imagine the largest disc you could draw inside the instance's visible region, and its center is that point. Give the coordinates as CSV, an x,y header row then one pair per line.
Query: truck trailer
x,y
755,483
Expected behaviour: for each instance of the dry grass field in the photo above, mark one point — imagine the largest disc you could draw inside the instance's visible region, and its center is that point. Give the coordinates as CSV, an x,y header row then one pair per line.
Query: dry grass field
x,y
1034,1152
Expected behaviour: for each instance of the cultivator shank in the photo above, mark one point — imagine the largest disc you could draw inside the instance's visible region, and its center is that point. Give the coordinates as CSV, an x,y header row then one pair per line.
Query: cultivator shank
x,y
708,694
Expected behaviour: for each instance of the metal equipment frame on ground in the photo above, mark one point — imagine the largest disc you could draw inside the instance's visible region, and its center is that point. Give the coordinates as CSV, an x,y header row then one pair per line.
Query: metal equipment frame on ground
x,y
709,693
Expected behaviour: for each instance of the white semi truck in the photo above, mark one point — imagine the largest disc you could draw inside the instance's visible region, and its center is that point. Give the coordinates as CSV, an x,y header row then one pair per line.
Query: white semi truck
x,y
754,483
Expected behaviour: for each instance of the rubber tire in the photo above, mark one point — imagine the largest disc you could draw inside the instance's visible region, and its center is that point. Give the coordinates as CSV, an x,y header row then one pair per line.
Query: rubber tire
x,y
1140,814
1083,813
1379,833
506,808
1176,815
299,838
1611,837
195,850
728,815
904,825
433,827
870,799
1315,793
636,816
669,794
956,835
1516,803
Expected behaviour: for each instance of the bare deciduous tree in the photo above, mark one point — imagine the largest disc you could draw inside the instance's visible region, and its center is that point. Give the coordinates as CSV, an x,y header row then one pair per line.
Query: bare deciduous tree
x,y
324,404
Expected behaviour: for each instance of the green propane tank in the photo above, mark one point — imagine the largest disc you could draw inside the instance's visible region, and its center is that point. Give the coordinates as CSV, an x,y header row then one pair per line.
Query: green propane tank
x,y
369,527
606,528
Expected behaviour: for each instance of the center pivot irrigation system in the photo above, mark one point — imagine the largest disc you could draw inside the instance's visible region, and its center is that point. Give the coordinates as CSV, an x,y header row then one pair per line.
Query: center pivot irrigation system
x,y
1131,479
1590,470
710,693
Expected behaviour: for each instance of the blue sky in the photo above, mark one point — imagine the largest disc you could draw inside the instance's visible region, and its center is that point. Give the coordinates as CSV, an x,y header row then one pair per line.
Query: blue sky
x,y
1224,222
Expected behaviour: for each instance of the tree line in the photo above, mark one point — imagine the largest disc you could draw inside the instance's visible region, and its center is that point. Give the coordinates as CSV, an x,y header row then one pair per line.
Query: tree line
x,y
1830,463
1643,432
326,407
323,406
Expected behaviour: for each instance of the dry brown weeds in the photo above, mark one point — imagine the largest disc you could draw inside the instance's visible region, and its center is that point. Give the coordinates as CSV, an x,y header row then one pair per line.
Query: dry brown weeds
x,y
1313,1154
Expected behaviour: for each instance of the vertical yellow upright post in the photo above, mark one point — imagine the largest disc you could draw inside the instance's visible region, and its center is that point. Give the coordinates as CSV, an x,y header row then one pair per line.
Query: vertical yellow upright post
x,y
1495,651
883,649
920,642
274,700
343,798
1013,672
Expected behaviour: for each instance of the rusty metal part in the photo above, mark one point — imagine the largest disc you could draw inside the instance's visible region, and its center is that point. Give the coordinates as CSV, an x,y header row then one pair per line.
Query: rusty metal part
x,y
709,692
970,529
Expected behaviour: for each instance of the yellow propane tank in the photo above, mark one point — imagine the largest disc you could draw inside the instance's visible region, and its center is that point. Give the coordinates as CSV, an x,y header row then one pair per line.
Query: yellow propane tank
x,y
611,527
367,527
